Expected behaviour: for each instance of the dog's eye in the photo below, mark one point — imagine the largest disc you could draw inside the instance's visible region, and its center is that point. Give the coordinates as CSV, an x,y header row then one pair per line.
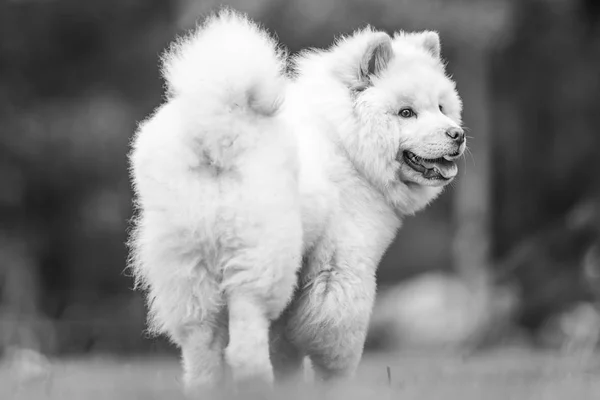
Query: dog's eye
x,y
407,113
441,108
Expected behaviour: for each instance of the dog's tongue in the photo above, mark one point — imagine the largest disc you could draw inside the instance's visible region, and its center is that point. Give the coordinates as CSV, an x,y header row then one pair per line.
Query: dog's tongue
x,y
443,167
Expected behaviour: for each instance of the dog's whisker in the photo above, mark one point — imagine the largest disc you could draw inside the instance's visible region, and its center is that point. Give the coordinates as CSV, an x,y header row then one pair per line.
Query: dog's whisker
x,y
470,153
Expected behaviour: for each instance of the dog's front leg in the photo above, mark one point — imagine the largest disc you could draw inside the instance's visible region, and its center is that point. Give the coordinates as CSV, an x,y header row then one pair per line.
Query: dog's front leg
x,y
330,316
343,326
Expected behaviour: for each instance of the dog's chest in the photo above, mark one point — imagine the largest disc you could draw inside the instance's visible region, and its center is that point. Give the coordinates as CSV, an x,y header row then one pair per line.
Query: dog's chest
x,y
318,203
316,214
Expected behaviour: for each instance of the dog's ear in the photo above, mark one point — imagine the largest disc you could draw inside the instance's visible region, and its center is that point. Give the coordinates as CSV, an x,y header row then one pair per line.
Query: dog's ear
x,y
362,56
376,56
430,40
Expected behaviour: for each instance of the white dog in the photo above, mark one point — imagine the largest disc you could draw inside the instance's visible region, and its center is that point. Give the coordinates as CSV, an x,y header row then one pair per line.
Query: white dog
x,y
267,198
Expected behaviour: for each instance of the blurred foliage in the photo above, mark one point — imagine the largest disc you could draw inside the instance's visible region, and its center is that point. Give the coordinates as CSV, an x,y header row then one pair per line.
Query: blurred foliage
x,y
76,76
556,267
546,95
547,91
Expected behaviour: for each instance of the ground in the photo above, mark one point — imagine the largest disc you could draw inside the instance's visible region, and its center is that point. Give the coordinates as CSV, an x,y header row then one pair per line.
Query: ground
x,y
507,374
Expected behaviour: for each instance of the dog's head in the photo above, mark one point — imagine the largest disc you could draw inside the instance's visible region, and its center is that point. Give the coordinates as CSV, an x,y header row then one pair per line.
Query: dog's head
x,y
407,134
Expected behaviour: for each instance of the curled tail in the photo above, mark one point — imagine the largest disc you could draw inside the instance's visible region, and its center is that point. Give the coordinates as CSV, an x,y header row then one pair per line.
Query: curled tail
x,y
227,62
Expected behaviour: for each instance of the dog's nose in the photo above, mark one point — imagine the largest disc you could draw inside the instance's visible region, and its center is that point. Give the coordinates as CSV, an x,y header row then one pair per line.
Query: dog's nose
x,y
456,134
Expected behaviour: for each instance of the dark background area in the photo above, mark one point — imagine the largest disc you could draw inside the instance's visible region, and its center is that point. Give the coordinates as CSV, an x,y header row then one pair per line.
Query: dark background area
x,y
76,76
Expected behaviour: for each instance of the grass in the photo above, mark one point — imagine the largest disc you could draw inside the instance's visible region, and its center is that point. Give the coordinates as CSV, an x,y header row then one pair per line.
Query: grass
x,y
509,374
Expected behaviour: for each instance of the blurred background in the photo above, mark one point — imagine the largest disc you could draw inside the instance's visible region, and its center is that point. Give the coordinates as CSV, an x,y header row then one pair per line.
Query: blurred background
x,y
509,255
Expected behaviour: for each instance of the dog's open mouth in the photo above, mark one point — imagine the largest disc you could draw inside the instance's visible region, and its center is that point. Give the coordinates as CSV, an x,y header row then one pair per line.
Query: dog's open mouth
x,y
434,169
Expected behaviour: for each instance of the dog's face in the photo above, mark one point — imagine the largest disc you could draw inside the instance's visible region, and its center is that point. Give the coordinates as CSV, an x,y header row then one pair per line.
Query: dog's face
x,y
427,124
408,113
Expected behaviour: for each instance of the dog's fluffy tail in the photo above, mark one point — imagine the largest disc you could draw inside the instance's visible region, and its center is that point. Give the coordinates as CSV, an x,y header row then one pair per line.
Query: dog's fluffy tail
x,y
226,63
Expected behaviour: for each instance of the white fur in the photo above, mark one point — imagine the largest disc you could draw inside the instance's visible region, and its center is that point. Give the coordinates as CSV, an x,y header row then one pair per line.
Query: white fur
x,y
244,173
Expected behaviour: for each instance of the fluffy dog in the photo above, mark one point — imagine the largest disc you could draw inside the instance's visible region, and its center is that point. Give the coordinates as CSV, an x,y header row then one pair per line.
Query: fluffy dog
x,y
269,188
